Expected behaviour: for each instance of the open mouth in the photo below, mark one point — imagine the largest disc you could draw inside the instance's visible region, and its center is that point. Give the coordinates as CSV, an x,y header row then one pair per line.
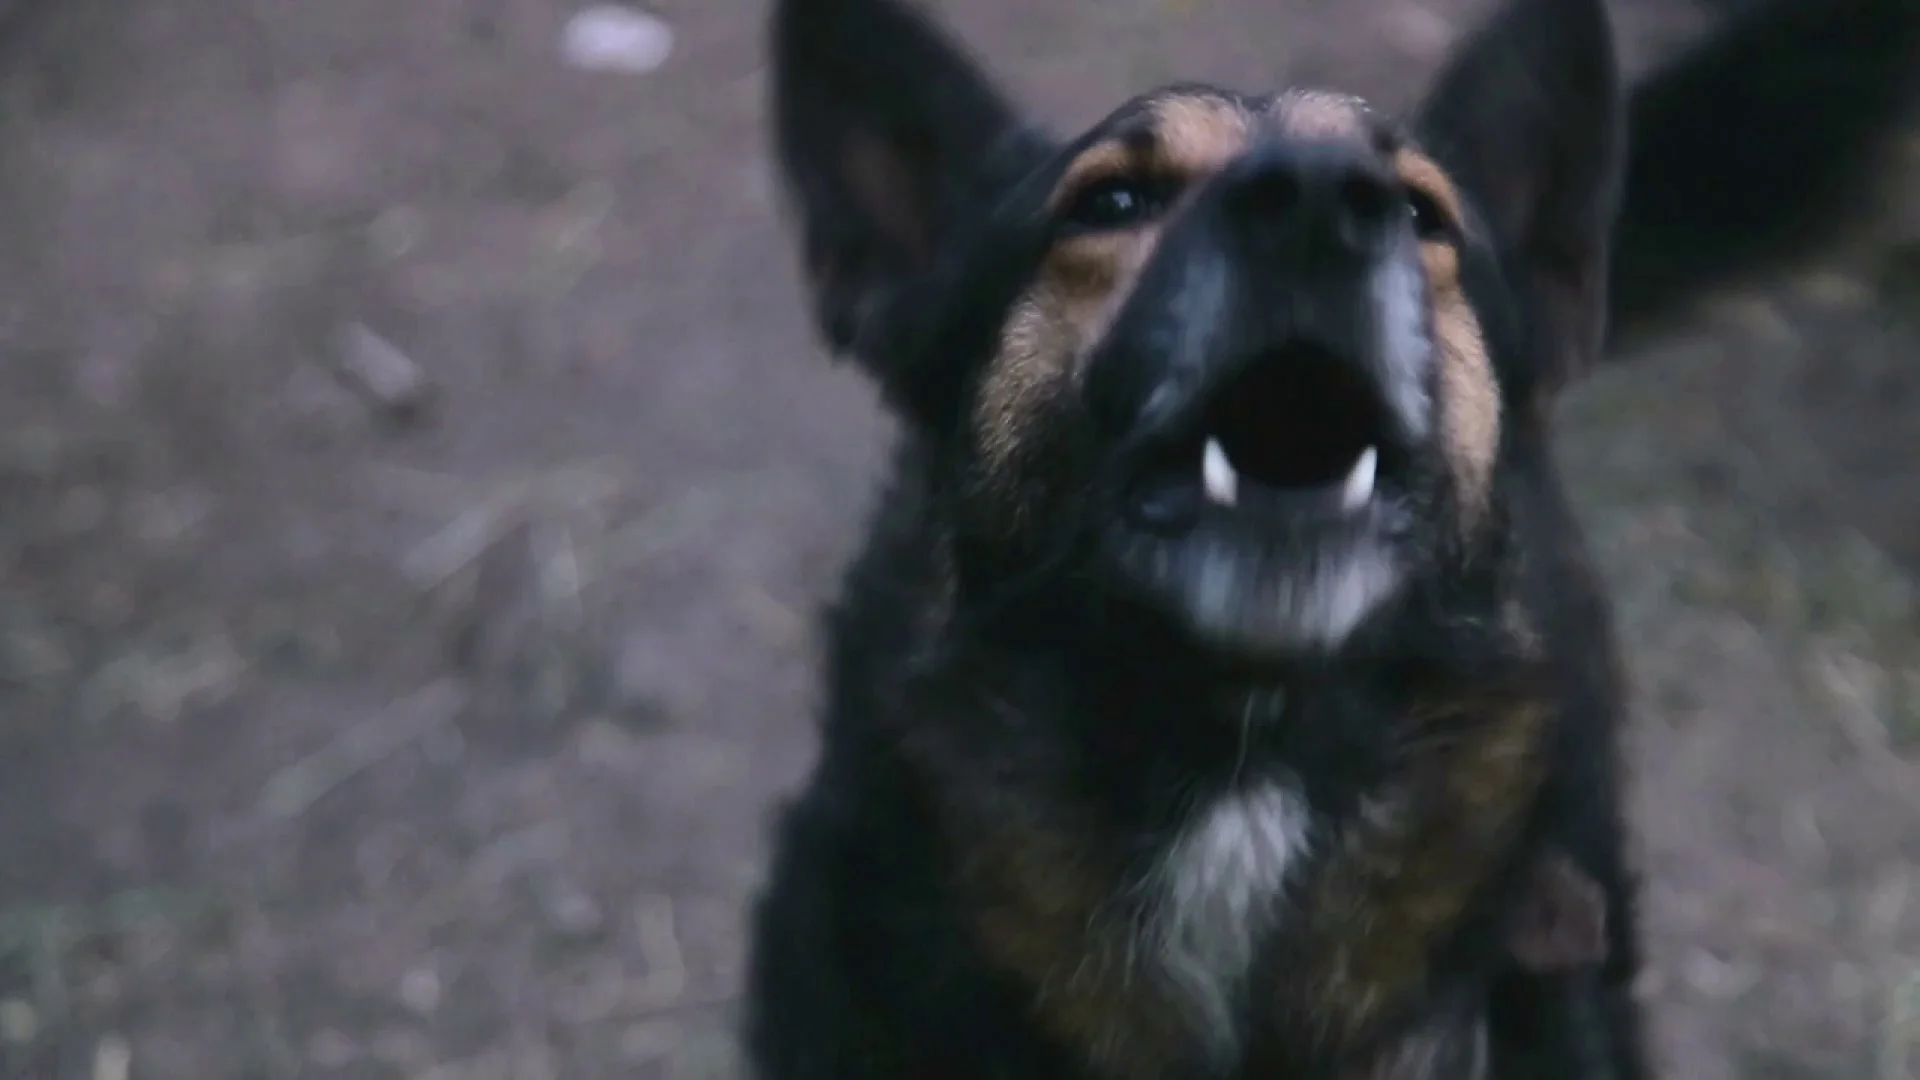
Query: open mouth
x,y
1265,515
1299,429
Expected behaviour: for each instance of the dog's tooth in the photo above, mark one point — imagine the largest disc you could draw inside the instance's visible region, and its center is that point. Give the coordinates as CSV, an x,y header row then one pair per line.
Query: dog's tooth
x,y
1358,488
1222,483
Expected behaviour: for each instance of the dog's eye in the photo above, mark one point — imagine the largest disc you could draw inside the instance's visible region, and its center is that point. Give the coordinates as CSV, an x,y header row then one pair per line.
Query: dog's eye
x,y
1429,221
1116,203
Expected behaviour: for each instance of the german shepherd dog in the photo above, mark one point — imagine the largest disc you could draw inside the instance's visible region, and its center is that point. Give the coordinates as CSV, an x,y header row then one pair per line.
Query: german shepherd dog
x,y
1223,665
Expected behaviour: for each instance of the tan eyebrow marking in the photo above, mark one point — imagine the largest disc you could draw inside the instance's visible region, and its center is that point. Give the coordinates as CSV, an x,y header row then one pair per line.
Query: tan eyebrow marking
x,y
1190,136
1196,135
1417,170
1313,114
1101,161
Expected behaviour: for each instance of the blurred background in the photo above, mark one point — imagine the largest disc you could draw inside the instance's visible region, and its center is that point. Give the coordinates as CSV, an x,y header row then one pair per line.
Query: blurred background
x,y
416,480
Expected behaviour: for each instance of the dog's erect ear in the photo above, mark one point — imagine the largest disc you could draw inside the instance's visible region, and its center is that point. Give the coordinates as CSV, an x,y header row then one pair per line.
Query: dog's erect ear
x,y
889,139
1527,116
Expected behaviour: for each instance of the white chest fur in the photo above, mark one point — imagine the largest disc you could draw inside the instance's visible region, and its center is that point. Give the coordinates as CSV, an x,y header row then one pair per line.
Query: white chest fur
x,y
1218,890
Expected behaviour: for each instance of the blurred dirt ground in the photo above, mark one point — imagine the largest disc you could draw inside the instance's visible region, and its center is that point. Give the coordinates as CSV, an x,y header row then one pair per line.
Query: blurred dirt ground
x,y
434,737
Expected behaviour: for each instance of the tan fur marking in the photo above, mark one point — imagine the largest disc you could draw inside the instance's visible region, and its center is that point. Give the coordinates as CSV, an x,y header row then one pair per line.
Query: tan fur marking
x,y
1044,915
1562,924
1081,285
1469,398
1096,163
1313,114
1469,403
1194,136
1405,871
1046,899
1416,170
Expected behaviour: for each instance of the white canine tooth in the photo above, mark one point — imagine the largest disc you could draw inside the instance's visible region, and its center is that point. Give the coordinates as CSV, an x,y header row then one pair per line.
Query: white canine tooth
x,y
1359,483
1222,483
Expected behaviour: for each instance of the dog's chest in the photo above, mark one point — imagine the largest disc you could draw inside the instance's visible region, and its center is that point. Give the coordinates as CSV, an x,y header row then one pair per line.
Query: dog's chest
x,y
1217,891
1450,1048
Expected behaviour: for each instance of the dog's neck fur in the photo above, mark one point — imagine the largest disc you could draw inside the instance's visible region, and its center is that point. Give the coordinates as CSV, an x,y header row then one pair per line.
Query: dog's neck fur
x,y
1148,910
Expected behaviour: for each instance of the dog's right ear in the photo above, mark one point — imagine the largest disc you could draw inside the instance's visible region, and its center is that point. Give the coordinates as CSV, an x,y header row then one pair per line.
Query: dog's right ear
x,y
890,139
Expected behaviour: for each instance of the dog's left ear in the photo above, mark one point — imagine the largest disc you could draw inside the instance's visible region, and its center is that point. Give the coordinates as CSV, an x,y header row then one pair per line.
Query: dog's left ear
x,y
892,143
1528,118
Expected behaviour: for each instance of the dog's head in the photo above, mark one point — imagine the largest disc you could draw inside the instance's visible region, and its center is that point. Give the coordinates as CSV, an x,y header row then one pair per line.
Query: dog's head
x,y
1257,360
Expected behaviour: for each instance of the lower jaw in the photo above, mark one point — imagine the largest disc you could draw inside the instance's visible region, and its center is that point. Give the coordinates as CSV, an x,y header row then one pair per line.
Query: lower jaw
x,y
1299,594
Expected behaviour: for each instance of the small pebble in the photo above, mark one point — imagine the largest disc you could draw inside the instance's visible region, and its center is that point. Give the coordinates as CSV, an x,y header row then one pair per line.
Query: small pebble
x,y
650,1041
410,1051
330,1049
1418,31
393,384
1715,979
605,745
614,38
396,232
420,991
572,912
81,510
19,1023
166,518
444,747
112,1059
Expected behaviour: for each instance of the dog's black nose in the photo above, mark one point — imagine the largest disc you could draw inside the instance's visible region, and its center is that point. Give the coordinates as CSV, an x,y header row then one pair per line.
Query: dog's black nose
x,y
1313,199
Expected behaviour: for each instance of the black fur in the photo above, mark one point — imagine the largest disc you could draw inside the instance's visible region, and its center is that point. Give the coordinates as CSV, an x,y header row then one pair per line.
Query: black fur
x,y
1750,149
1000,714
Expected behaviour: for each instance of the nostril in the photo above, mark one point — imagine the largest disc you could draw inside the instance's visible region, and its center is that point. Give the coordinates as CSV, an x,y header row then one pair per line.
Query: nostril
x,y
1366,199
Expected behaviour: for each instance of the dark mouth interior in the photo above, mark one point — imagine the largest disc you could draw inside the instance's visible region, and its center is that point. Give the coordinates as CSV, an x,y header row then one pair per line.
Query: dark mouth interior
x,y
1296,417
